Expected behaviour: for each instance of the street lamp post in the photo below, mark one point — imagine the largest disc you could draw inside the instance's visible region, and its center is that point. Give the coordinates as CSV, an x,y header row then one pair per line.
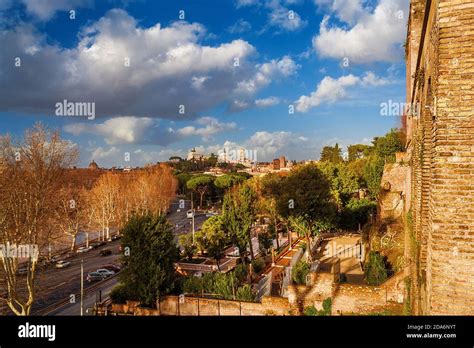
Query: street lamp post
x,y
82,287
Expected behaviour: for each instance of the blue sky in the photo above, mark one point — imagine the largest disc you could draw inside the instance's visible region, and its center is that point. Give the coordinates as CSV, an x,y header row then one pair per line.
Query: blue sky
x,y
236,66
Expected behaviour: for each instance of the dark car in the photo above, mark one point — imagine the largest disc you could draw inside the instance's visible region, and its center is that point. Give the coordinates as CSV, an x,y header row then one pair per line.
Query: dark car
x,y
94,277
116,237
96,245
112,267
105,252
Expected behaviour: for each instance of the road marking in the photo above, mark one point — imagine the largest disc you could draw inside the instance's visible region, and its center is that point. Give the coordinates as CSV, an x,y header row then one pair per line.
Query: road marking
x,y
57,286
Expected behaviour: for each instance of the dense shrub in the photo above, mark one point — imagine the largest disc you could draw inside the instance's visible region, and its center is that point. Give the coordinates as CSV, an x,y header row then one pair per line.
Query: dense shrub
x,y
258,265
120,294
357,212
375,270
245,293
300,272
312,311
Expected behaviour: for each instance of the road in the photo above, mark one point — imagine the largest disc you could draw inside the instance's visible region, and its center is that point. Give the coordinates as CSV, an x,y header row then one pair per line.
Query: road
x,y
90,299
181,223
58,284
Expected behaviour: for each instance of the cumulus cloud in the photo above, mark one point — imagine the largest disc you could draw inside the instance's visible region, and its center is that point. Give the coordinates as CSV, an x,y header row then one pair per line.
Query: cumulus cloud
x,y
330,90
279,15
283,17
267,72
239,27
126,69
348,11
210,126
371,36
45,9
146,130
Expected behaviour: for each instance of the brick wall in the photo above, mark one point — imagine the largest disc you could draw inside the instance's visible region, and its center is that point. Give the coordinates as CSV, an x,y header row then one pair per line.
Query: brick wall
x,y
441,146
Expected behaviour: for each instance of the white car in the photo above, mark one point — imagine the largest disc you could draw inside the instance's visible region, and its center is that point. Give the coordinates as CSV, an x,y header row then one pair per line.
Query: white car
x,y
105,272
62,264
83,249
189,214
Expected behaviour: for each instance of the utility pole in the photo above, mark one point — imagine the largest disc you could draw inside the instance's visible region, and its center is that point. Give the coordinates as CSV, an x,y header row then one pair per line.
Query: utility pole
x,y
82,287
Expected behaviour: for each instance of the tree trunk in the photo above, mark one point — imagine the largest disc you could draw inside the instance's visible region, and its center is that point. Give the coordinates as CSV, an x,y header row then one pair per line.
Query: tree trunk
x,y
308,246
202,195
73,242
251,247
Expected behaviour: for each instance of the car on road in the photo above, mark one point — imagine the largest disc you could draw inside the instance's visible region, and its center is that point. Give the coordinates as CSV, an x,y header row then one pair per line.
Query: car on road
x,y
22,271
112,267
189,214
83,249
105,272
115,237
95,277
211,213
96,245
62,264
105,252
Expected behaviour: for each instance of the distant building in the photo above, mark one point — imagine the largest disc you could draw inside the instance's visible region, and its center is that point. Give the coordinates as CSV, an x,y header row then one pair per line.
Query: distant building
x,y
193,155
282,162
93,165
276,164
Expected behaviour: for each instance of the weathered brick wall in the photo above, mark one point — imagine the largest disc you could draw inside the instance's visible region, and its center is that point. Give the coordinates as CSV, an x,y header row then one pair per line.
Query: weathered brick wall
x,y
364,299
442,155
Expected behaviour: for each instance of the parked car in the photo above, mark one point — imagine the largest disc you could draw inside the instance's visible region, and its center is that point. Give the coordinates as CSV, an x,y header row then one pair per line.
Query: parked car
x,y
105,252
211,213
105,272
22,271
189,214
83,249
116,237
112,267
95,277
96,245
62,264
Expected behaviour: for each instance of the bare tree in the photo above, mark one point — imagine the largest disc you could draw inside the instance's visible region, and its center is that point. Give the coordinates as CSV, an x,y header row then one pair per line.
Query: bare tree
x,y
71,214
103,202
31,173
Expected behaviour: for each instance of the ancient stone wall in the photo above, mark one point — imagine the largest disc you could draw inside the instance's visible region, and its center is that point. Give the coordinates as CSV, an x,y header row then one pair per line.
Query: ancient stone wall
x,y
441,147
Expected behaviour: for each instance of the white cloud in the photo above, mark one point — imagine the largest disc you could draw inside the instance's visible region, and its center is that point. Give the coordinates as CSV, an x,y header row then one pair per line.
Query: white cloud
x,y
241,26
242,3
169,67
283,17
330,90
266,72
45,9
372,36
211,127
146,130
347,11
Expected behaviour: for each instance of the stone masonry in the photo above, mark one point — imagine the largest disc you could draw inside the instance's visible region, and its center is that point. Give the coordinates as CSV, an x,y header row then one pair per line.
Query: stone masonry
x,y
440,149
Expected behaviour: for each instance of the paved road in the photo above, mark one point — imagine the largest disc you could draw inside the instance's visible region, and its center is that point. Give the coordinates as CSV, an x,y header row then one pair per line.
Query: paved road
x,y
180,222
57,284
89,300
